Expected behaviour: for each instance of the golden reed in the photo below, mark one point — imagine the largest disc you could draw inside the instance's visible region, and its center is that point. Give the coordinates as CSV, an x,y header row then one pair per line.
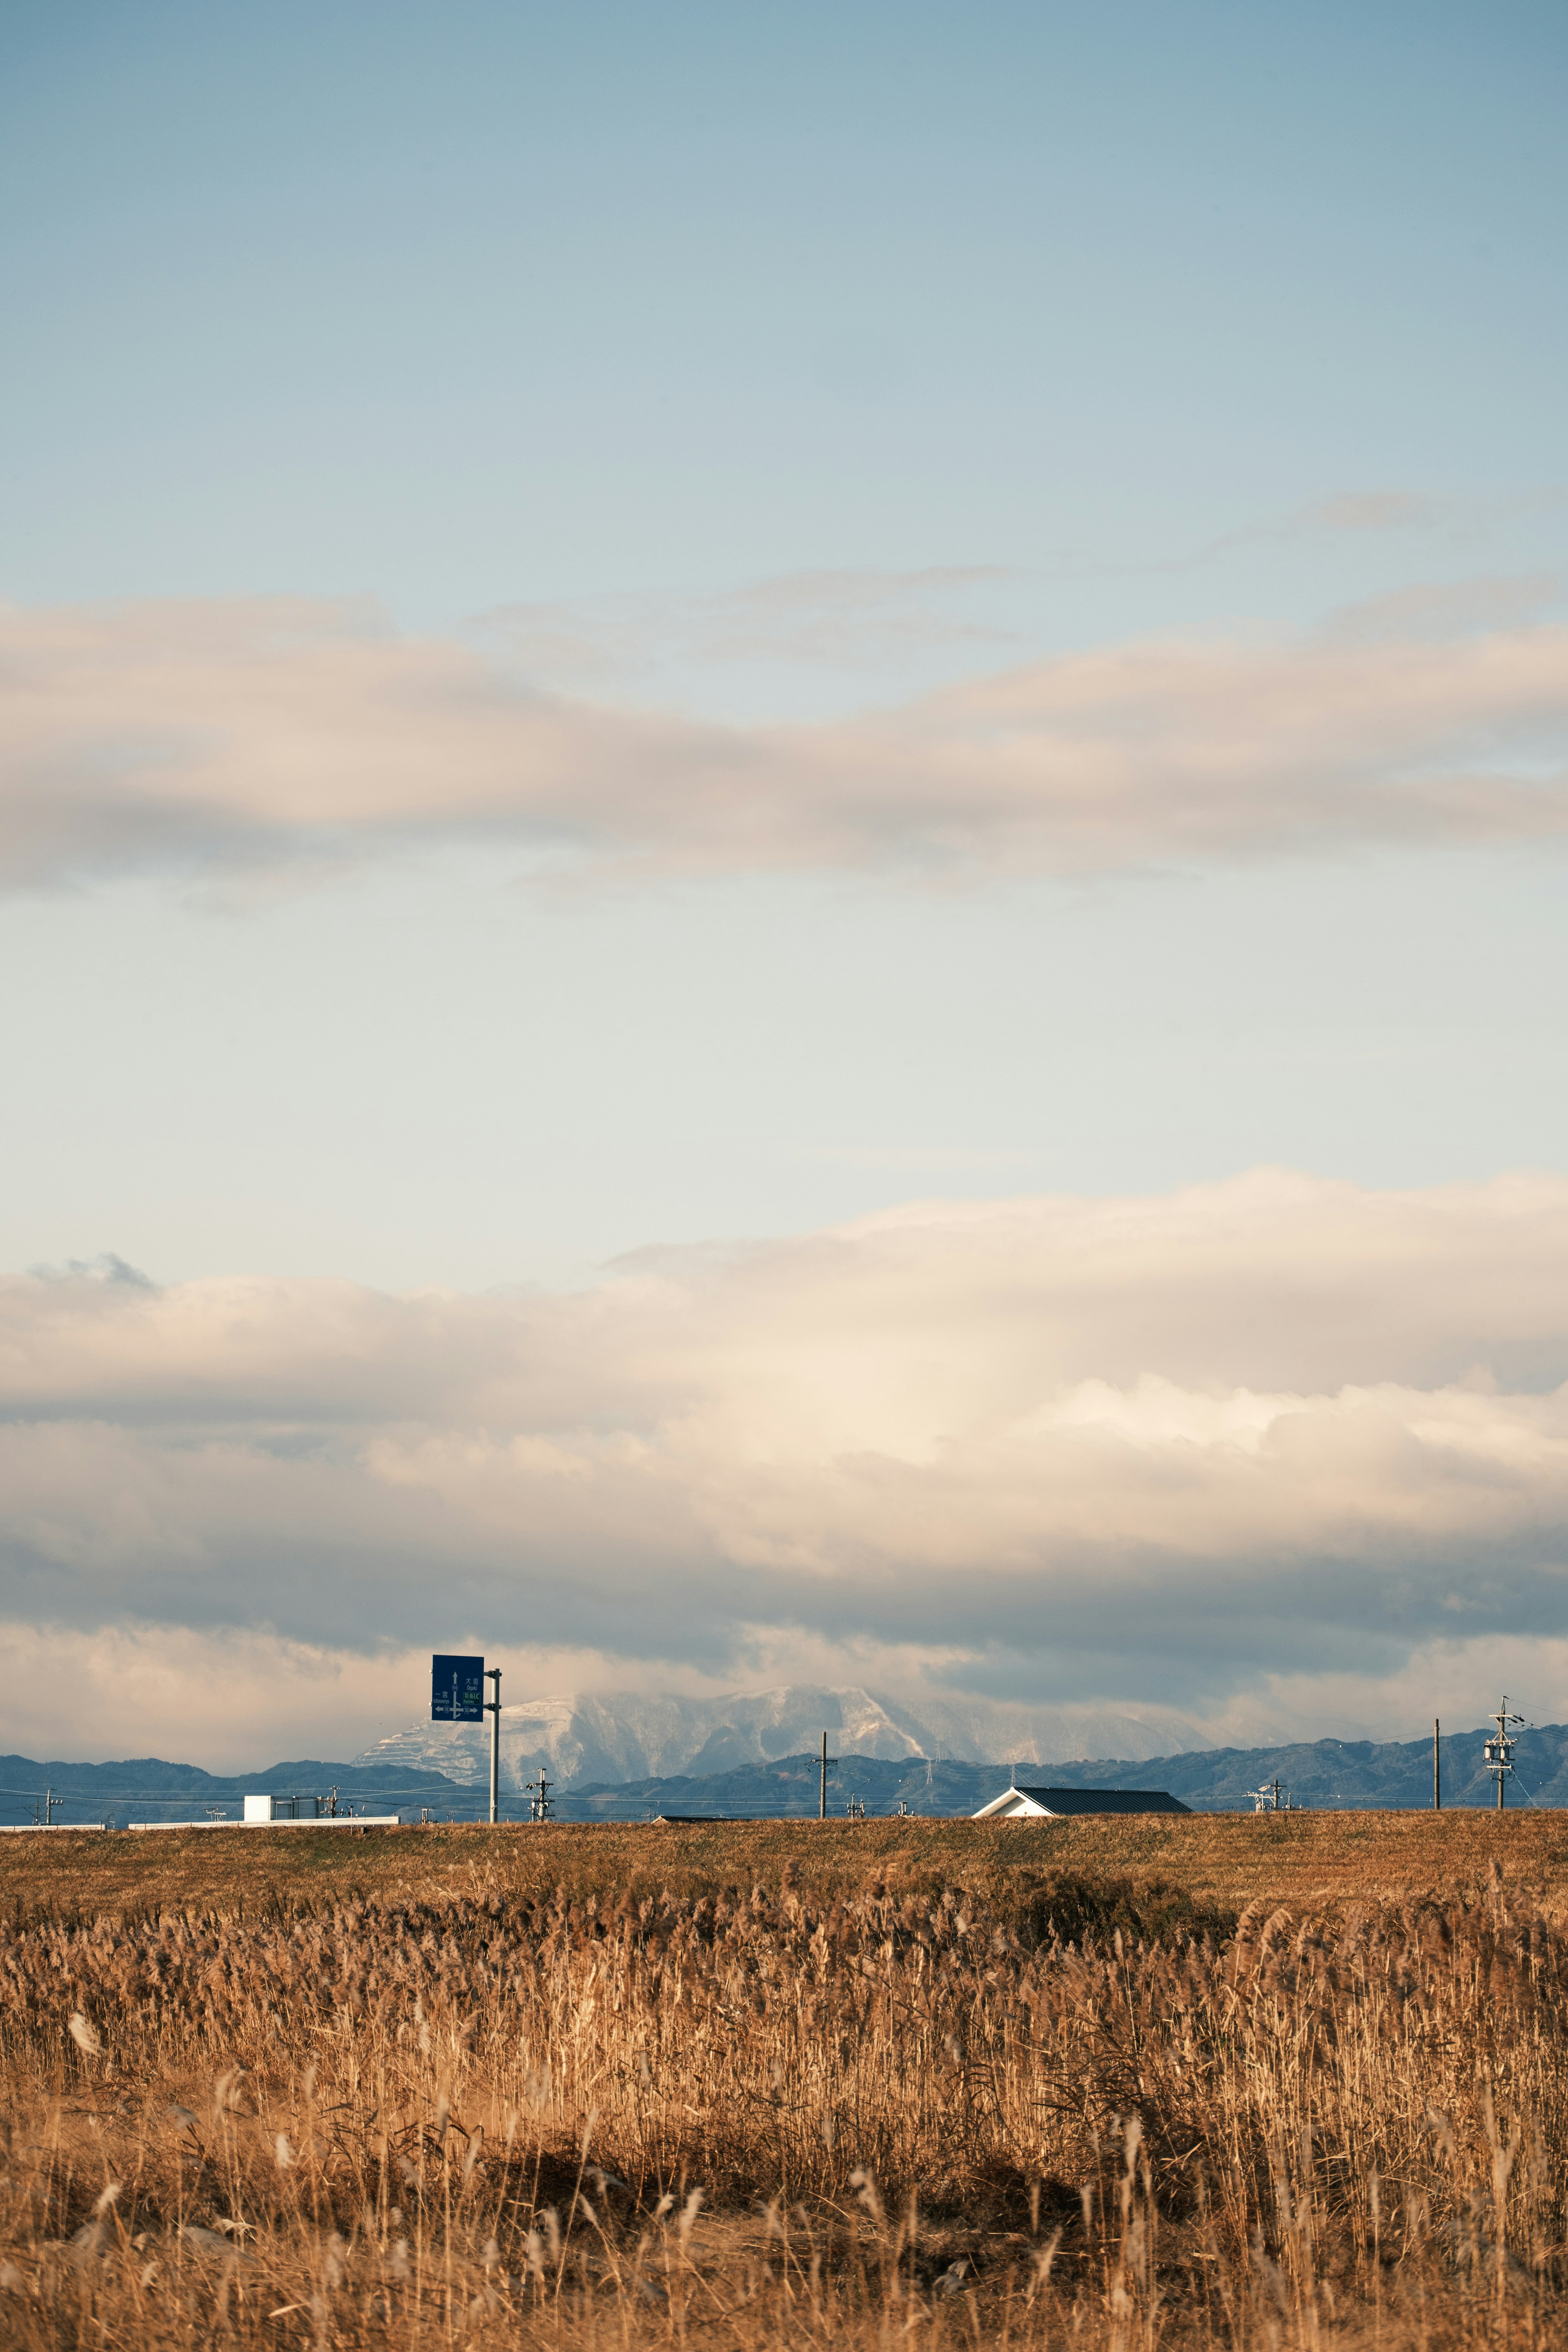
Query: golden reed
x,y
754,2120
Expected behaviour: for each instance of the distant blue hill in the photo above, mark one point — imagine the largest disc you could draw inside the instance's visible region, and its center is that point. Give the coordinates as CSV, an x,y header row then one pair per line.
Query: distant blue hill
x,y
1352,1775
147,1788
1349,1775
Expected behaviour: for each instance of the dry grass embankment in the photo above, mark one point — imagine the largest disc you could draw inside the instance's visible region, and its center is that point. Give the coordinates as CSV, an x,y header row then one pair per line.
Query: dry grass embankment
x,y
404,2115
1212,1863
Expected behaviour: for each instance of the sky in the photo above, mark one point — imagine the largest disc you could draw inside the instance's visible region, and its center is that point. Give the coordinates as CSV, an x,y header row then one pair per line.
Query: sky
x,y
696,703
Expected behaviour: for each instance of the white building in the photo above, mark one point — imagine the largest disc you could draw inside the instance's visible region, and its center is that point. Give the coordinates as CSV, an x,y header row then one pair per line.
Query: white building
x,y
1018,1804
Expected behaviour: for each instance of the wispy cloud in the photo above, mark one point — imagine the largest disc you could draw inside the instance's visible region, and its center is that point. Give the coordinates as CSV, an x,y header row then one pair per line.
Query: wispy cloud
x,y
168,735
1359,510
1443,612
1150,1449
843,620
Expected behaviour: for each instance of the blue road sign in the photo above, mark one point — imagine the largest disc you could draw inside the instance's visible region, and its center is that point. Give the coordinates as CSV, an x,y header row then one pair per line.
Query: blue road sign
x,y
456,1690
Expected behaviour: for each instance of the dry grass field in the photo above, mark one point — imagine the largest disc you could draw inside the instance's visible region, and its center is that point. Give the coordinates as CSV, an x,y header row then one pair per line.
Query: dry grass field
x,y
1215,1863
1218,2081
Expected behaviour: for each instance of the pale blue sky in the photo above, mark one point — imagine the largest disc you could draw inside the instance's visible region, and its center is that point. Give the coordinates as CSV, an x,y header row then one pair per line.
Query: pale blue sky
x,y
460,307
426,1077
779,611
1130,319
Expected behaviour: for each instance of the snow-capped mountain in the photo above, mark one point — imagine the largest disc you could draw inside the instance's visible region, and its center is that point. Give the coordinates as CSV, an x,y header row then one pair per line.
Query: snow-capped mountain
x,y
635,1735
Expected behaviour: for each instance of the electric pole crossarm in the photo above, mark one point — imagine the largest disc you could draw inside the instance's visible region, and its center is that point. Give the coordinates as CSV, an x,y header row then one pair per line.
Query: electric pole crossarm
x,y
1499,1748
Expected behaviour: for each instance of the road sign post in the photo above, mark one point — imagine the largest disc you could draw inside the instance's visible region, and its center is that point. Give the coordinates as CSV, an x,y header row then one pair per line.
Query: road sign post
x,y
456,1689
492,1708
457,1695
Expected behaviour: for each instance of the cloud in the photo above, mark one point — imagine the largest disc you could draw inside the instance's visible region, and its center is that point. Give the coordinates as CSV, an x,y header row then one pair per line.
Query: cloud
x,y
1363,510
1440,612
190,737
854,620
1146,1453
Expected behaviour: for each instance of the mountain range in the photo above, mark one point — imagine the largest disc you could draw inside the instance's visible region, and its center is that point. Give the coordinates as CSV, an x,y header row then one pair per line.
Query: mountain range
x,y
1349,1775
584,1740
1323,1774
149,1788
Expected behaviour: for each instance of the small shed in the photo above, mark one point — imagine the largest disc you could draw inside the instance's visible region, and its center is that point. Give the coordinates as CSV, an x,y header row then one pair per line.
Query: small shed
x,y
1018,1804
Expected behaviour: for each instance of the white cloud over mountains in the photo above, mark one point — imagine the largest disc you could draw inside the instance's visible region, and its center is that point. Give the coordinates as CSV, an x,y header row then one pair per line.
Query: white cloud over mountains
x,y
1144,1453
194,735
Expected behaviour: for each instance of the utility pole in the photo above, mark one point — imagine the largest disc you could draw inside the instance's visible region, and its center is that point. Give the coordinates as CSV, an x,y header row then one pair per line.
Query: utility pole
x,y
492,1708
539,1792
827,1764
1499,1751
1437,1775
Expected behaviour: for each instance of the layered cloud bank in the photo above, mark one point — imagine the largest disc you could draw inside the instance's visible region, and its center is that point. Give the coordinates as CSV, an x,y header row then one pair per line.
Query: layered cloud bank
x,y
1151,1453
177,736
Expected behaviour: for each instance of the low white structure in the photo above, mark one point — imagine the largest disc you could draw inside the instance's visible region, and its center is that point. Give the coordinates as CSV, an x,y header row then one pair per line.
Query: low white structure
x,y
46,1829
1015,1805
1018,1804
277,1812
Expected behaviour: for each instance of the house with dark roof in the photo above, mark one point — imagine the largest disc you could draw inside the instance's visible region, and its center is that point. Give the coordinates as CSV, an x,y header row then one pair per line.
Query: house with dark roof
x,y
1018,1804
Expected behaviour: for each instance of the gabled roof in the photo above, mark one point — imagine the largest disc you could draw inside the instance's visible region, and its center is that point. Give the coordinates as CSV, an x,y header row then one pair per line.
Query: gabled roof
x,y
685,1820
1053,1803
